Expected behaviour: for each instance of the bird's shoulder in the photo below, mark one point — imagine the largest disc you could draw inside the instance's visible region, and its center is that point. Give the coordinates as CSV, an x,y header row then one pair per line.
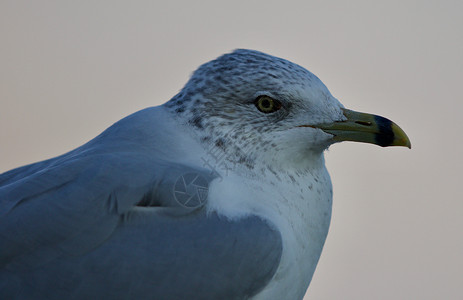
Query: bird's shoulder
x,y
57,200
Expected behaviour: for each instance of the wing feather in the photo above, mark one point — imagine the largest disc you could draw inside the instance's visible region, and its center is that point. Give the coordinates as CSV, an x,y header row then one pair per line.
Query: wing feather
x,y
70,228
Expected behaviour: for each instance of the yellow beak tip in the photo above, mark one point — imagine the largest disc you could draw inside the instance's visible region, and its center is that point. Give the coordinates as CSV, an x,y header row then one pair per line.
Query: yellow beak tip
x,y
401,138
403,142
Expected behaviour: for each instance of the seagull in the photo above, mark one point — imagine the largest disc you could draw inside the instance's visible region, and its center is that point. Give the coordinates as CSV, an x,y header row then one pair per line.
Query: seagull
x,y
220,193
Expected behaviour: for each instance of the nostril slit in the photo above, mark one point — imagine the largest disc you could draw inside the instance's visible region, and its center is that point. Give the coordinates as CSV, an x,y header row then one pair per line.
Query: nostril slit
x,y
364,123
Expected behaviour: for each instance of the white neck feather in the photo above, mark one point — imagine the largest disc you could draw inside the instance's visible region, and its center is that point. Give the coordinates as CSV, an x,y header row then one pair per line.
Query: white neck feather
x,y
298,204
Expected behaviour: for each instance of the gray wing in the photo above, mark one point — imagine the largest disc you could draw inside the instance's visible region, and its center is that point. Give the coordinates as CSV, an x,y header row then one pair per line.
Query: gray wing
x,y
96,225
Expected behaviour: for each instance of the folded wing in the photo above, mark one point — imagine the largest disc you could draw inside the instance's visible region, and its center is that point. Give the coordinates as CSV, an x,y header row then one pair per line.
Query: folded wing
x,y
96,224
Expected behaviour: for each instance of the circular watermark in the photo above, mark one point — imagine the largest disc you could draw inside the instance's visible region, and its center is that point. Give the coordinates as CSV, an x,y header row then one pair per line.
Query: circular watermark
x,y
190,190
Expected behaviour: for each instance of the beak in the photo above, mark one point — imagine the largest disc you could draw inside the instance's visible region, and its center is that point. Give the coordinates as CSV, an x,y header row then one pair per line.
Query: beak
x,y
366,128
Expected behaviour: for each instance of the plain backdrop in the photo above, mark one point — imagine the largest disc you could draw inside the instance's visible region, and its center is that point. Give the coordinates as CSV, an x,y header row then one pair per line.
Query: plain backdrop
x,y
69,69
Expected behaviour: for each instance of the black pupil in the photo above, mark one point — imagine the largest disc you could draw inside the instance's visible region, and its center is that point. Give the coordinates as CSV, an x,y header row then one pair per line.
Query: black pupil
x,y
265,103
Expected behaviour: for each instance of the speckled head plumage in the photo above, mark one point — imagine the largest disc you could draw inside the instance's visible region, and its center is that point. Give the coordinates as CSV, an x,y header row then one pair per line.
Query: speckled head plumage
x,y
240,76
219,102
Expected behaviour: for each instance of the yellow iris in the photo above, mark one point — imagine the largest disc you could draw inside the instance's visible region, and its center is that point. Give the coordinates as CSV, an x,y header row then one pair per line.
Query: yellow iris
x,y
267,104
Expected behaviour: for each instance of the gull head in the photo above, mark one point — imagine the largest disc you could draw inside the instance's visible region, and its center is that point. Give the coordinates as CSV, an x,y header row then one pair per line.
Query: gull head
x,y
258,108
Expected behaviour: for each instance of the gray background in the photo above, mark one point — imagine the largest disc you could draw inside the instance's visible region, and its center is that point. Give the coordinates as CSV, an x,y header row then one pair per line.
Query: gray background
x,y
69,69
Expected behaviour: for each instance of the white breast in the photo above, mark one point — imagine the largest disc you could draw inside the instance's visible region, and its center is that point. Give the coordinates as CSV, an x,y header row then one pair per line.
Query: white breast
x,y
298,204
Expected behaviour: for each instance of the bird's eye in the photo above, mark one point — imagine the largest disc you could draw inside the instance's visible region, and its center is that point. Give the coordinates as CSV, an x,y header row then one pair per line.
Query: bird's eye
x,y
267,105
